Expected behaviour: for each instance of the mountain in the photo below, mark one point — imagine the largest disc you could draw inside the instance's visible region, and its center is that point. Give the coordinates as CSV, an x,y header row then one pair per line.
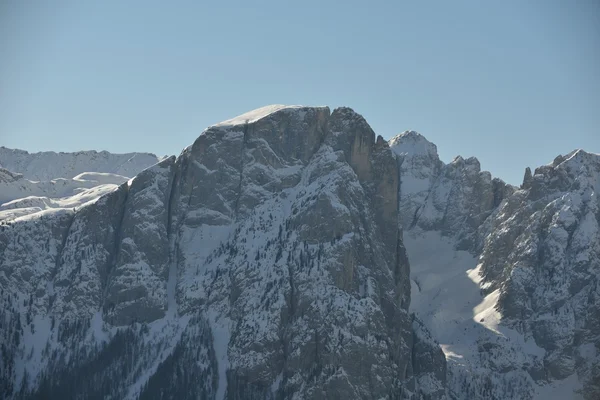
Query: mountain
x,y
289,253
263,262
48,165
34,182
505,278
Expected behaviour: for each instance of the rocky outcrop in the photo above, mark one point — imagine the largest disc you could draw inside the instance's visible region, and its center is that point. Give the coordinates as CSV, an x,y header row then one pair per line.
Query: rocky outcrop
x,y
454,198
266,262
520,304
137,289
546,266
428,363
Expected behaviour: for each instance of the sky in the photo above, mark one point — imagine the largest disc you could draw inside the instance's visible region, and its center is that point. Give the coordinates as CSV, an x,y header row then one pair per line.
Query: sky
x,y
514,83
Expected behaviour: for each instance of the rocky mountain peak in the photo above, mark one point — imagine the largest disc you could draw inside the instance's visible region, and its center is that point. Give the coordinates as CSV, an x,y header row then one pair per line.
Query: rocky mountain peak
x,y
262,261
411,143
572,172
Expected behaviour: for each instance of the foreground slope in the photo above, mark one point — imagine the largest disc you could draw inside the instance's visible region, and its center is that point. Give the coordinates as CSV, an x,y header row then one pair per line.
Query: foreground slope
x,y
264,262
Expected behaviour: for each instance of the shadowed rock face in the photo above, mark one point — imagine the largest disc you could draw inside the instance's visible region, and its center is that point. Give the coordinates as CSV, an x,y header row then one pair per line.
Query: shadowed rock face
x,y
265,261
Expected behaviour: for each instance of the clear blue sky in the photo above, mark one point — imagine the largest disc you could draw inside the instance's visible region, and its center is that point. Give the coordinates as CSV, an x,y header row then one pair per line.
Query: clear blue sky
x,y
514,82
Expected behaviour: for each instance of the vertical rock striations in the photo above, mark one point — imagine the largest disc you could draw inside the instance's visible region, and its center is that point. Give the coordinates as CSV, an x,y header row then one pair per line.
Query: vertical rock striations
x,y
265,261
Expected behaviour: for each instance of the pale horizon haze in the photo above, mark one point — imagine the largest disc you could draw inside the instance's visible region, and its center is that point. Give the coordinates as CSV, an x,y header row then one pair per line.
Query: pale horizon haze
x,y
514,83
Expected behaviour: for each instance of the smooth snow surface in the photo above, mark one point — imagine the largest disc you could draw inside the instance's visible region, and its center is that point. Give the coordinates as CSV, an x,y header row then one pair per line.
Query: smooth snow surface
x,y
255,115
446,295
443,294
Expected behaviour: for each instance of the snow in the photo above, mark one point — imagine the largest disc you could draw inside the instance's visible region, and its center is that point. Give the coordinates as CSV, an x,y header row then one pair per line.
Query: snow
x,y
35,339
163,335
171,291
210,260
32,182
100,177
23,197
44,202
276,384
48,165
97,328
560,390
446,295
221,332
411,143
255,115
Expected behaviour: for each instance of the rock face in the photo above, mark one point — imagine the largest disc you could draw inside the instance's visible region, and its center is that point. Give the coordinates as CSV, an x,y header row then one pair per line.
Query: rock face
x,y
505,279
547,267
454,198
266,261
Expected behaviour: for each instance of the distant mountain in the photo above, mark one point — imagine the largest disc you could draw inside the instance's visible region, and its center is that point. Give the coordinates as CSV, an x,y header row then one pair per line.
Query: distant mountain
x,y
289,253
32,182
48,165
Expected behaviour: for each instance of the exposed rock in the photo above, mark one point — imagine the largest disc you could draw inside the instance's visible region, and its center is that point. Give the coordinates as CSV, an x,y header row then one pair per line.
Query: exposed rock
x,y
547,265
273,259
266,262
535,323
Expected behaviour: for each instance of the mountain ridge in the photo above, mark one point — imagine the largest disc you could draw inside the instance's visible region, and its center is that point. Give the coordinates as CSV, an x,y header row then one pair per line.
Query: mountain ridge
x,y
274,253
48,165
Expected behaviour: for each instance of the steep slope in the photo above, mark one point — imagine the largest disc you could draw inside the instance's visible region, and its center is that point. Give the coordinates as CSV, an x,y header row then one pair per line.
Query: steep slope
x,y
472,272
48,165
264,262
545,268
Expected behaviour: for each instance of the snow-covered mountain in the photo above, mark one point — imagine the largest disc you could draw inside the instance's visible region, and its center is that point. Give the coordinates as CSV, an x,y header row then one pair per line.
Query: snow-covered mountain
x,y
505,278
281,256
33,182
48,165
